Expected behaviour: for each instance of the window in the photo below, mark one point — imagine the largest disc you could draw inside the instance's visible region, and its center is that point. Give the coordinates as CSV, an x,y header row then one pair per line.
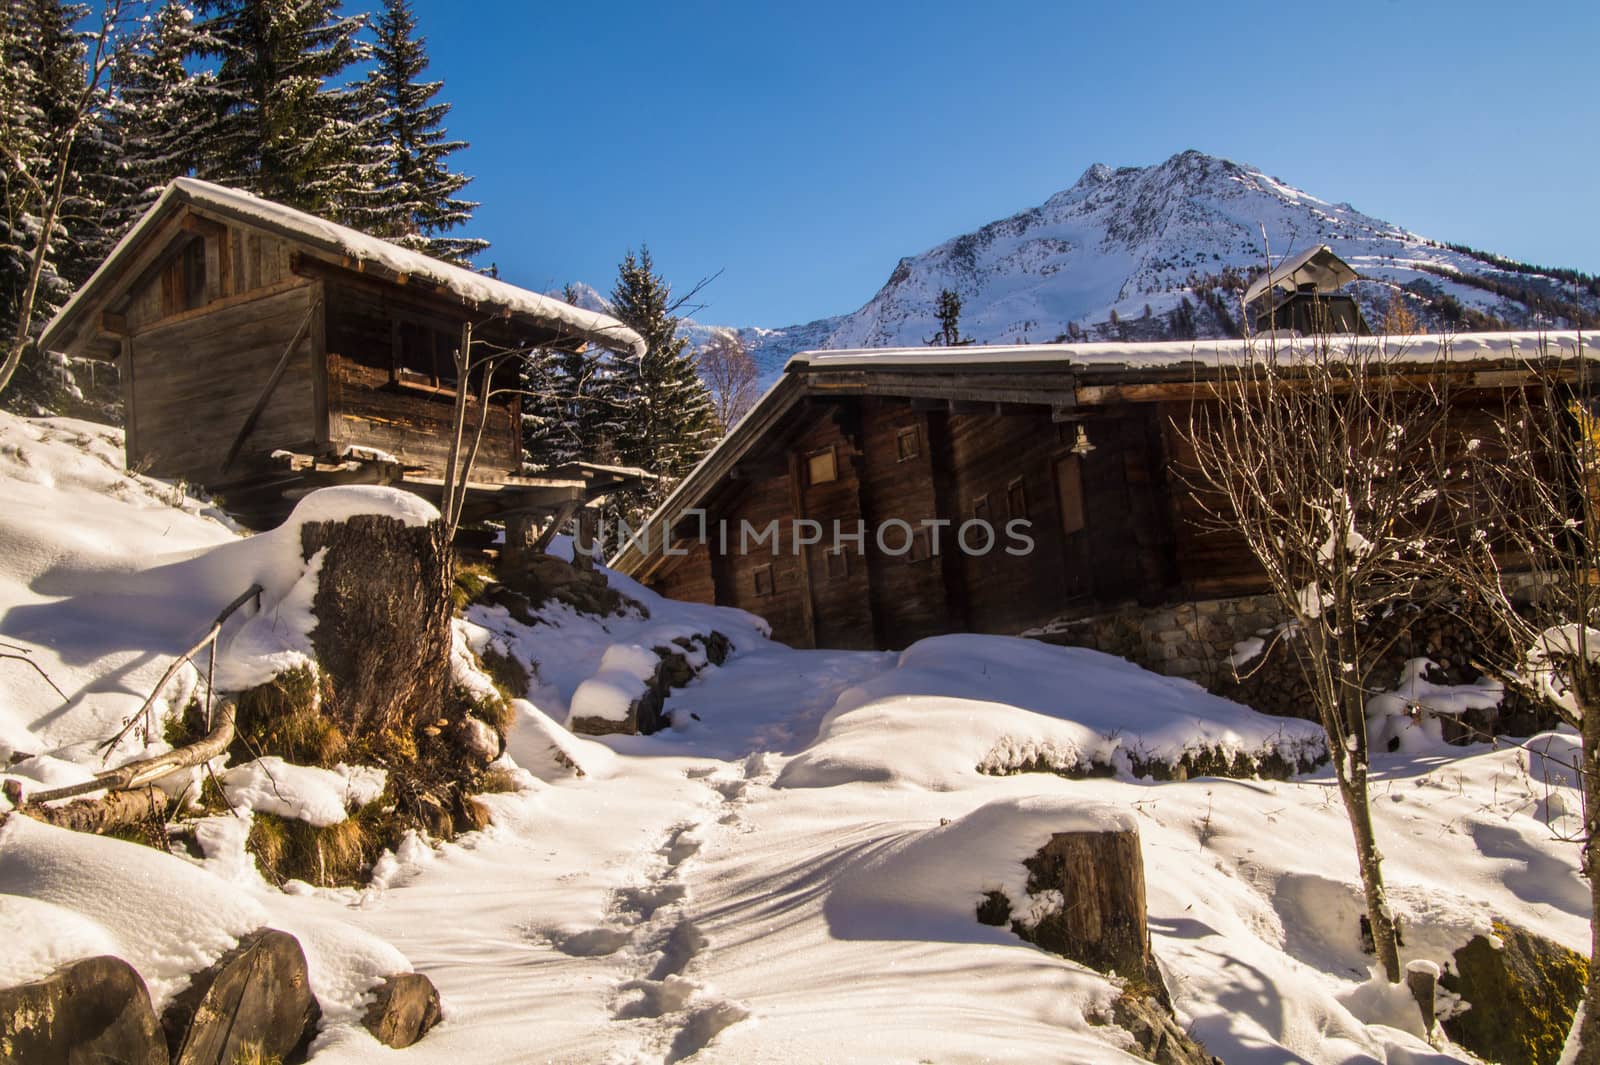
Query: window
x,y
763,580
838,564
1016,500
424,354
1069,486
980,508
821,467
908,443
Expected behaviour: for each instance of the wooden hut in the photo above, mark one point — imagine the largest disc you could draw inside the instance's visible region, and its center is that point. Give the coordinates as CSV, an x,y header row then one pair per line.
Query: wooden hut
x,y
1301,296
1080,442
264,351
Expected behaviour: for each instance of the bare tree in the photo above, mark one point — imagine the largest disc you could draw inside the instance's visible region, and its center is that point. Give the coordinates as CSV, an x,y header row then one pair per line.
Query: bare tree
x,y
731,375
1529,494
38,193
1320,459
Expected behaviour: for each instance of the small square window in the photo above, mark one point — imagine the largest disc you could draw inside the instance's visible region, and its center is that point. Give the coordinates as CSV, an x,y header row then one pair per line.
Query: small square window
x,y
908,443
838,564
1016,500
821,467
763,580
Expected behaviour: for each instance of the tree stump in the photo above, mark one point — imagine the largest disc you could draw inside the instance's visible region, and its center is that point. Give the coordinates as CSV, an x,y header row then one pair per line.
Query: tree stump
x,y
93,1010
1101,922
256,998
383,620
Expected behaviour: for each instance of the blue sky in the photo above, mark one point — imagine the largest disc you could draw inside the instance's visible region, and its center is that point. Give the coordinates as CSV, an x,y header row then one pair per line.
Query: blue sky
x,y
802,148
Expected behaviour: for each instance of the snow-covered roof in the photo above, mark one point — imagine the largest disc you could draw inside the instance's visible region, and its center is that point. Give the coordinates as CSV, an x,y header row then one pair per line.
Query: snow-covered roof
x,y
1458,347
329,237
1318,266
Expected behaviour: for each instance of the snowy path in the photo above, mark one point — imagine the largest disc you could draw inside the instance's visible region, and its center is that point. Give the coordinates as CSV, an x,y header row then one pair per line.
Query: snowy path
x,y
685,905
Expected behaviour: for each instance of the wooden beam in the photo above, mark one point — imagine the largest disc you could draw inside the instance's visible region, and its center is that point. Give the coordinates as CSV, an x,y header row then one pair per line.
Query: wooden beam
x,y
1032,389
797,503
1166,391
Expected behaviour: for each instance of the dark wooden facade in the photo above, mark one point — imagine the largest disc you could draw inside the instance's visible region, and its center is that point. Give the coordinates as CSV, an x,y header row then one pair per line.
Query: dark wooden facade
x,y
1088,454
248,338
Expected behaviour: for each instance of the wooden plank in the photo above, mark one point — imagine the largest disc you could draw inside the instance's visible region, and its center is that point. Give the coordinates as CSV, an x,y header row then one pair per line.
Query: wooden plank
x,y
1205,389
993,388
196,313
319,367
271,385
130,408
797,507
197,380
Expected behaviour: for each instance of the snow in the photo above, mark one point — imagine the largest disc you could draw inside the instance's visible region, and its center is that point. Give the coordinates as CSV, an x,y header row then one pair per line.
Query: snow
x,y
1406,718
316,796
624,674
1452,348
167,918
790,873
469,286
955,706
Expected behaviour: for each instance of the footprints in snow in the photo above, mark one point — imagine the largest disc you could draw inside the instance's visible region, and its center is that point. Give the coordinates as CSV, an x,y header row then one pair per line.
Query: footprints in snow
x,y
677,1015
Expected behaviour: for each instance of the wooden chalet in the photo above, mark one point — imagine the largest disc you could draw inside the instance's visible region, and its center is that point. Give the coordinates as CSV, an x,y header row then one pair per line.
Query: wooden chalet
x,y
264,352
1081,441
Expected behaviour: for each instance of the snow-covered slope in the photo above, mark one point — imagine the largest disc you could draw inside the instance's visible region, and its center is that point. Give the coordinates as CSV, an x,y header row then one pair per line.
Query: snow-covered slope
x,y
1140,241
788,874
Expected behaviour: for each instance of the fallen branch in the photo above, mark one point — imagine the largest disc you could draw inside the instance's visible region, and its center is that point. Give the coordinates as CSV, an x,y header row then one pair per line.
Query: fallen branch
x,y
253,592
126,802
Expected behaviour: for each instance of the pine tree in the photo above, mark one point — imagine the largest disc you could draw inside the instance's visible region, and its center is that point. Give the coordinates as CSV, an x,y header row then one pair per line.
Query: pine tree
x,y
276,122
949,315
61,175
572,404
159,100
668,423
414,201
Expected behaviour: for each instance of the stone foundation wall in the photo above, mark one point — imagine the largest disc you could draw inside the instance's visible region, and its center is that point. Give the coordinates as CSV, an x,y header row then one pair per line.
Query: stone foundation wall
x,y
1191,640
1195,641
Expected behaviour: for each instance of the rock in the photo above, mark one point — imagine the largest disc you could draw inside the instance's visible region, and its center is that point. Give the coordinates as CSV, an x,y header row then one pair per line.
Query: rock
x,y
256,998
673,670
1522,993
542,578
88,1013
407,1006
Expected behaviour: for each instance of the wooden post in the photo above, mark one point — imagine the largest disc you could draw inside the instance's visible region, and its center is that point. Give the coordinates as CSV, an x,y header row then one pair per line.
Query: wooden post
x,y
583,544
521,531
1420,980
797,504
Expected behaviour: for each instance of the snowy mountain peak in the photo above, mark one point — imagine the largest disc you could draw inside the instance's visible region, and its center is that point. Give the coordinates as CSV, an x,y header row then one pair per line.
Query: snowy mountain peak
x,y
1163,252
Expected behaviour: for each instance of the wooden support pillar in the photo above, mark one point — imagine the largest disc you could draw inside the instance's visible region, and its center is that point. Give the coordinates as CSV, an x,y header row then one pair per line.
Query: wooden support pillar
x,y
952,563
797,505
583,543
